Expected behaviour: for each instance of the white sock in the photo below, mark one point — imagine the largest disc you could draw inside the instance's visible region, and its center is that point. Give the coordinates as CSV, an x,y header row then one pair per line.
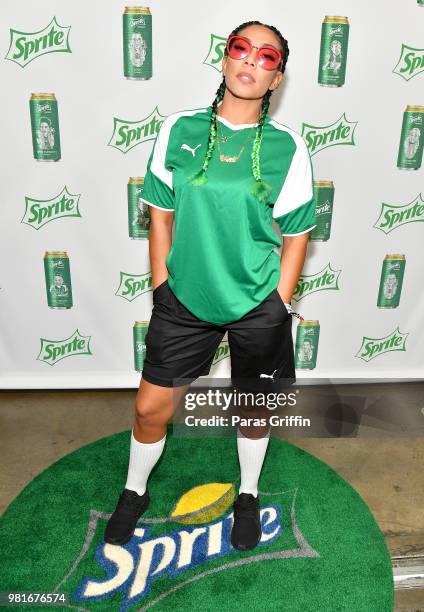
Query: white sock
x,y
143,458
251,454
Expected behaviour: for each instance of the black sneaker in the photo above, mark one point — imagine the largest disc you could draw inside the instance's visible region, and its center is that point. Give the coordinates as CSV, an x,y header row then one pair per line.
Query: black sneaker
x,y
121,525
246,531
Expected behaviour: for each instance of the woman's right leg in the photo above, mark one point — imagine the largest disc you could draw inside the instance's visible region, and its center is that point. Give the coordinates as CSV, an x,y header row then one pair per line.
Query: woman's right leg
x,y
154,407
178,346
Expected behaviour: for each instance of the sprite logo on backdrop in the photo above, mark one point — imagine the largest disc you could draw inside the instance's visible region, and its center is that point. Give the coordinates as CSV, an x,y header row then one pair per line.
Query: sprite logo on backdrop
x,y
222,351
27,46
373,347
128,134
216,52
340,132
391,216
410,63
53,351
323,280
39,212
133,285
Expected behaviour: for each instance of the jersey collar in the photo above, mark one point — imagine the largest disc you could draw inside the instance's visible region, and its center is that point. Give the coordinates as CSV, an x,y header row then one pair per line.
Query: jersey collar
x,y
238,126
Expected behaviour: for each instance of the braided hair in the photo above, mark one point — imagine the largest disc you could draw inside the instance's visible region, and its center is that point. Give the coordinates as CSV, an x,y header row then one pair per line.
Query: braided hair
x,y
260,189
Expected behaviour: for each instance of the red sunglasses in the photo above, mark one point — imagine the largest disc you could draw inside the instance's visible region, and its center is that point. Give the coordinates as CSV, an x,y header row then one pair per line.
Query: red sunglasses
x,y
239,47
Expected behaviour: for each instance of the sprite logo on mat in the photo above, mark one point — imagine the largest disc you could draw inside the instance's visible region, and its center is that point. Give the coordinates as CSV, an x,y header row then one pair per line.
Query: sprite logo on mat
x,y
373,347
327,278
392,216
39,212
53,351
27,46
216,52
410,63
340,132
128,134
167,553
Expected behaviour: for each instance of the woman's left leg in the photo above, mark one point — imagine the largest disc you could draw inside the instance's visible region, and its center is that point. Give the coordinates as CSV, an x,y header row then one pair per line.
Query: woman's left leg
x,y
262,361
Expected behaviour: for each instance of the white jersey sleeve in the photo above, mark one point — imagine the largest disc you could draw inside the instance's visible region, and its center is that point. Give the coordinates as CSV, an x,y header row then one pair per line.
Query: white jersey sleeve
x,y
294,209
158,186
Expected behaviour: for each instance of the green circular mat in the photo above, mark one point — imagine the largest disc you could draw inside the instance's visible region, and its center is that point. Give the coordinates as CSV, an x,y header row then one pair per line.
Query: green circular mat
x,y
321,549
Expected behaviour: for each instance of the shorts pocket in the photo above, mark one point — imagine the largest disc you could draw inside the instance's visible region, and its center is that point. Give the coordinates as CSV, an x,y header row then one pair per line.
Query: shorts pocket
x,y
280,300
158,290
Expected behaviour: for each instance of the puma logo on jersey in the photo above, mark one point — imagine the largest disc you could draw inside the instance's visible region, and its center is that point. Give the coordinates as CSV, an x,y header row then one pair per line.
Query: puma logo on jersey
x,y
268,375
186,147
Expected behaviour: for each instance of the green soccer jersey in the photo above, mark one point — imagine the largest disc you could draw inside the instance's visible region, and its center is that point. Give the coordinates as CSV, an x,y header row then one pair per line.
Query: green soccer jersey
x,y
223,259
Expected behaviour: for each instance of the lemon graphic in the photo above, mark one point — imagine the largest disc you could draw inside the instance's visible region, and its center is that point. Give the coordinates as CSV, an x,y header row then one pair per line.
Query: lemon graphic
x,y
204,503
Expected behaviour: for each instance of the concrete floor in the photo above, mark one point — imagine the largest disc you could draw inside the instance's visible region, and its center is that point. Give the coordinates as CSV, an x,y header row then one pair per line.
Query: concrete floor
x,y
39,427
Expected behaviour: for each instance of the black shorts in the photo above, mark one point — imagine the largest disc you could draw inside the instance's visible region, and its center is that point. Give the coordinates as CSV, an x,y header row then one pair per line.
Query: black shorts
x,y
179,345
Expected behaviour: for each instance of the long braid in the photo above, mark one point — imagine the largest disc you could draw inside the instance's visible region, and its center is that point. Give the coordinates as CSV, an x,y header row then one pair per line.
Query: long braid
x,y
200,177
260,189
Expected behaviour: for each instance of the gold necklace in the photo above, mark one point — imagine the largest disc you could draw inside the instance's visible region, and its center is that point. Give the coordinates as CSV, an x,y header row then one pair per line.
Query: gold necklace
x,y
232,158
225,138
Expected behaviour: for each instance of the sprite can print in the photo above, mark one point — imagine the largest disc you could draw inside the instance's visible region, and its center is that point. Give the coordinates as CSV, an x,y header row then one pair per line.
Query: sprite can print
x,y
137,39
138,211
420,2
45,127
391,281
410,153
324,197
333,51
306,350
58,279
139,339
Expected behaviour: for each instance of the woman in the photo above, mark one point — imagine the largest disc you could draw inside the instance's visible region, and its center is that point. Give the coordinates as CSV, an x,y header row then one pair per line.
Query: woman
x,y
225,171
